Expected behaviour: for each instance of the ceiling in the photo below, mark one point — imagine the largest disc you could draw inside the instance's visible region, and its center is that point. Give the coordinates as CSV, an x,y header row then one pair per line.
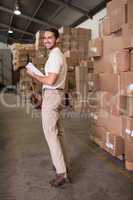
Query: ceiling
x,y
39,14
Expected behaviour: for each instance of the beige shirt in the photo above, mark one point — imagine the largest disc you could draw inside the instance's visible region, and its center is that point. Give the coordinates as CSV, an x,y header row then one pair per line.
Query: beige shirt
x,y
56,63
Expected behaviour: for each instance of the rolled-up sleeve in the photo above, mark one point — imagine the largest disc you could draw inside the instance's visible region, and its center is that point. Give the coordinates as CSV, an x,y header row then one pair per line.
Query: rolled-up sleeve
x,y
55,64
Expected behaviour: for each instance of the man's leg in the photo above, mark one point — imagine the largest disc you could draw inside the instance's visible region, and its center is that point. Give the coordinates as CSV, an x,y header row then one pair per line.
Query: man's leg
x,y
50,117
62,138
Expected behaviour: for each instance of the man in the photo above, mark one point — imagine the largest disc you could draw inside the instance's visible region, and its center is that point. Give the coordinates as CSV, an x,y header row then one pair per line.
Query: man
x,y
53,86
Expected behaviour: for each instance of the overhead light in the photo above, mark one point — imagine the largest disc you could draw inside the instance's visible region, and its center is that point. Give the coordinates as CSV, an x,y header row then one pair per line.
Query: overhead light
x,y
10,31
17,10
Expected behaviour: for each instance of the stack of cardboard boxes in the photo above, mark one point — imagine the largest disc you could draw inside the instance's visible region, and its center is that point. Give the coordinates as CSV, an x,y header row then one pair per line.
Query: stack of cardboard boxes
x,y
74,44
41,52
80,104
111,98
19,56
22,54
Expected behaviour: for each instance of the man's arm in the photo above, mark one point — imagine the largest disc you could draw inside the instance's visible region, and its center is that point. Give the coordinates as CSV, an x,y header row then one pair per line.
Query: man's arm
x,y
46,80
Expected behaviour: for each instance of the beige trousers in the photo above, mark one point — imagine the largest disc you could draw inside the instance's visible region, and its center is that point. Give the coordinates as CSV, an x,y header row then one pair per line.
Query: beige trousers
x,y
52,127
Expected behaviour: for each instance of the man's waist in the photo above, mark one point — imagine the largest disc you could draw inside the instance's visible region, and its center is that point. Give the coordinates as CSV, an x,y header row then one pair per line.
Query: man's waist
x,y
54,89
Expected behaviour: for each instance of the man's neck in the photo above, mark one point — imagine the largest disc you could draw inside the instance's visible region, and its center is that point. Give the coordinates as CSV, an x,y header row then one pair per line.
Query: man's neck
x,y
52,48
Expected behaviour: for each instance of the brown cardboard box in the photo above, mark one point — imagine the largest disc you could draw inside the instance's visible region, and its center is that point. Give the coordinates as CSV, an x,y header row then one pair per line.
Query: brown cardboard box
x,y
99,65
104,64
118,15
113,104
122,61
116,11
66,30
114,144
125,79
109,63
116,125
96,47
80,32
81,73
130,106
112,43
131,60
106,26
113,124
109,8
116,83
82,90
130,100
130,13
93,101
109,83
129,144
127,36
73,57
93,82
118,106
96,134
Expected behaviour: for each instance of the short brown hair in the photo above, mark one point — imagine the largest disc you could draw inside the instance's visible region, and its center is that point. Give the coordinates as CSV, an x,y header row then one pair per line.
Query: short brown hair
x,y
54,31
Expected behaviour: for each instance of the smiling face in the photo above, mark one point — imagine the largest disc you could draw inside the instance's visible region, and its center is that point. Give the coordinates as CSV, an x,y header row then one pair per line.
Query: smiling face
x,y
49,39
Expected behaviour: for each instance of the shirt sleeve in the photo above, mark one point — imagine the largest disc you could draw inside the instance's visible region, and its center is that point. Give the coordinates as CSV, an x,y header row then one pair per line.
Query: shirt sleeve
x,y
55,64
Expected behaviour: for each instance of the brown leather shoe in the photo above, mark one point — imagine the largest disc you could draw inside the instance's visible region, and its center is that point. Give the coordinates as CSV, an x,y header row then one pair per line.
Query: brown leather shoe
x,y
59,180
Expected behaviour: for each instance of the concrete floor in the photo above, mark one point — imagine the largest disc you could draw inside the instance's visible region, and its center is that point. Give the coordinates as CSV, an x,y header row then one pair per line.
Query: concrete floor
x,y
25,165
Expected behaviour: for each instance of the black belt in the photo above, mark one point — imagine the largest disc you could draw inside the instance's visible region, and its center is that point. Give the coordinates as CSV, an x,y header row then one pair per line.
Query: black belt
x,y
54,89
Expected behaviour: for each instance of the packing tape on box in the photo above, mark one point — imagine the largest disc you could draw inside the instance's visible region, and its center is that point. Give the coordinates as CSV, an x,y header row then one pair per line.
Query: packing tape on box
x,y
129,132
95,117
93,49
130,86
108,144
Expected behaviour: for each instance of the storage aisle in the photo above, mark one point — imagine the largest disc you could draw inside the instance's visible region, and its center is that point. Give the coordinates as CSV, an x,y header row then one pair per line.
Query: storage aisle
x,y
25,165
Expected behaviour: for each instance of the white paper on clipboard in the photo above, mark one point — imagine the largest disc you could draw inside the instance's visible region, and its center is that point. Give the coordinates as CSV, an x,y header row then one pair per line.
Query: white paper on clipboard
x,y
33,69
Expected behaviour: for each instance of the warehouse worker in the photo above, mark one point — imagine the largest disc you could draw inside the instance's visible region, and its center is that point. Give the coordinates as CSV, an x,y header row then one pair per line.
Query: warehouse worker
x,y
53,85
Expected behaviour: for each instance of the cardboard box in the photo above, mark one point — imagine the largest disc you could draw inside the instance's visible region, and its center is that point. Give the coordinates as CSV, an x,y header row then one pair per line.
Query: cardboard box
x,y
81,73
99,66
96,47
72,57
130,100
129,144
125,79
116,10
114,144
104,27
66,30
109,63
116,83
96,134
112,123
130,13
113,104
131,60
130,106
109,8
93,101
112,43
122,61
109,83
127,36
93,82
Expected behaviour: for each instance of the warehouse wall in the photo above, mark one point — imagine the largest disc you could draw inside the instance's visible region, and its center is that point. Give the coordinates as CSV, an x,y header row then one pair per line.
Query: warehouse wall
x,y
5,66
93,24
3,45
